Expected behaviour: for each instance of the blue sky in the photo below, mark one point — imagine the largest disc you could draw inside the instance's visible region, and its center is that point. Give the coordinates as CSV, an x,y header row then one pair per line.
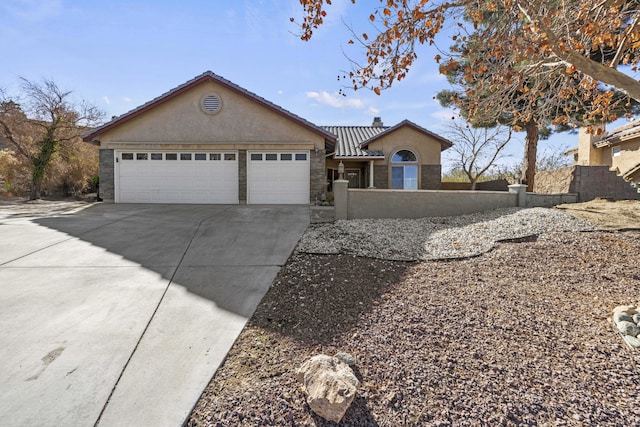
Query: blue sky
x,y
120,54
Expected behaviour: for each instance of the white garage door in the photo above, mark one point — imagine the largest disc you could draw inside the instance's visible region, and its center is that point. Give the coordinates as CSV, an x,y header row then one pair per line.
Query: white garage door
x,y
177,177
278,177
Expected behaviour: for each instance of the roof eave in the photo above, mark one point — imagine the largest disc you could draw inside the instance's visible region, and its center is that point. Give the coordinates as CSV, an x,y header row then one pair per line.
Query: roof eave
x,y
444,143
571,152
207,76
359,157
631,172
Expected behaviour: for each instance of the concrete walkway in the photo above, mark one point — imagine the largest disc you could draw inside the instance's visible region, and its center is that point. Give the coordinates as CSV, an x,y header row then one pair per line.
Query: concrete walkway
x,y
118,315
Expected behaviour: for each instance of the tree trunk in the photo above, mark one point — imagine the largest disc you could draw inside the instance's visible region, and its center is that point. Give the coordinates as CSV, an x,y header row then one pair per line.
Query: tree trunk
x,y
473,183
530,154
40,163
36,181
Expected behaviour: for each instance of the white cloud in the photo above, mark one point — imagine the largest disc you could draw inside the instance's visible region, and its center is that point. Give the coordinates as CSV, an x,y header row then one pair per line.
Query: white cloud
x,y
126,99
445,114
373,111
280,92
106,100
336,100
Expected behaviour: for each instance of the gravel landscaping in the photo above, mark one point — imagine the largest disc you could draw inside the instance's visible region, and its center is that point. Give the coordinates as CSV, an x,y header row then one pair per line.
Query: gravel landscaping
x,y
517,333
435,238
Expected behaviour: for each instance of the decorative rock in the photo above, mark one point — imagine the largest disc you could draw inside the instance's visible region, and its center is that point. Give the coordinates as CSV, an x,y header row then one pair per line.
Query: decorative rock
x,y
636,318
330,386
628,328
346,358
632,341
621,316
629,309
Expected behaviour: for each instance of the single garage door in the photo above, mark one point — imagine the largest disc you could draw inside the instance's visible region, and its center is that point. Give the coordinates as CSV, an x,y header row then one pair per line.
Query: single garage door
x,y
177,177
278,177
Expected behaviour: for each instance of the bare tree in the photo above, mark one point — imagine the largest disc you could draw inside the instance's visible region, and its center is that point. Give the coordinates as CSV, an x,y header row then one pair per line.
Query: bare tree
x,y
475,150
47,119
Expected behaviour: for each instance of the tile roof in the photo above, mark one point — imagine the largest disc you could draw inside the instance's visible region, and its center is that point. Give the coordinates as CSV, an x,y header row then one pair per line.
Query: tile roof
x,y
350,138
617,135
206,76
444,143
352,141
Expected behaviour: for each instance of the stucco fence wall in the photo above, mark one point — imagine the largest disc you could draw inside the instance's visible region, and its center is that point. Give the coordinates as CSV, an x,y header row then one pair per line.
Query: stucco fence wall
x,y
369,203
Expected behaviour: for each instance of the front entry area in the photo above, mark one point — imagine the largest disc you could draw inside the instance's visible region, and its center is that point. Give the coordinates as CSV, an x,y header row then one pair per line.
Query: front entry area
x,y
194,177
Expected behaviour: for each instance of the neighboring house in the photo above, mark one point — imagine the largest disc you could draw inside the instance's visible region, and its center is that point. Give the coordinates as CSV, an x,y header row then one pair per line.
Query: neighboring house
x,y
619,149
211,141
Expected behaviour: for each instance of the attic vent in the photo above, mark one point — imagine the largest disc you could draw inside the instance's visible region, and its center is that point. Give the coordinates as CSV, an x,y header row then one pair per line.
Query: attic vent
x,y
211,104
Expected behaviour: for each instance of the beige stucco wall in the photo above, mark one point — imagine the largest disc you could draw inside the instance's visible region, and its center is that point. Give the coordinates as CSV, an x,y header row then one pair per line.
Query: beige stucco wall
x,y
241,123
629,155
426,148
588,155
423,203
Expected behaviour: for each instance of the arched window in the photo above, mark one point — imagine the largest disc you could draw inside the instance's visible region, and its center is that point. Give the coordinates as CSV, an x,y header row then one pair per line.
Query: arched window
x,y
404,170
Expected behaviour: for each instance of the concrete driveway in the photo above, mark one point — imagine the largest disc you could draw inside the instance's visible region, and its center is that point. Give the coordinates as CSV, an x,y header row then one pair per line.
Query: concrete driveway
x,y
118,315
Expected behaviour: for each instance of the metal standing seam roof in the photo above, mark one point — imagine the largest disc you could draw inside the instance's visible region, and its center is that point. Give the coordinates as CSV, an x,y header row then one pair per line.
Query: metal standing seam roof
x,y
206,76
350,138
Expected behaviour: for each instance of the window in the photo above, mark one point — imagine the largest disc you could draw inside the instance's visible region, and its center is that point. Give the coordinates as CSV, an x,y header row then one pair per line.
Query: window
x,y
301,156
615,151
127,156
171,156
185,156
215,156
229,156
404,171
271,156
256,156
286,156
142,156
404,156
200,156
156,156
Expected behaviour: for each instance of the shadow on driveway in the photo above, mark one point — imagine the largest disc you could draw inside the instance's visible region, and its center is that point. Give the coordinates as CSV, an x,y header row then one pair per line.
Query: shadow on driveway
x,y
120,314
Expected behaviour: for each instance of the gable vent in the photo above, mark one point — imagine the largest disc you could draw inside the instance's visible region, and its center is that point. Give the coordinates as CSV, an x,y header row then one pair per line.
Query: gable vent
x,y
211,104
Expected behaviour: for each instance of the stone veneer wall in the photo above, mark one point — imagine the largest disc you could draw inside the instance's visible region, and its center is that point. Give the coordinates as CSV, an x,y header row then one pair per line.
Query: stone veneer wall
x,y
555,181
318,178
242,177
381,176
107,169
431,177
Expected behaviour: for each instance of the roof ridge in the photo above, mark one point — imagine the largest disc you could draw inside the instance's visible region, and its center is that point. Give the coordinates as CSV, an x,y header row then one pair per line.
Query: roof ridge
x,y
192,82
356,126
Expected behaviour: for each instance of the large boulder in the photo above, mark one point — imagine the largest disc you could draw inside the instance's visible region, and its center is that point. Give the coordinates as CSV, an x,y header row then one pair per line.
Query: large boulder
x,y
330,385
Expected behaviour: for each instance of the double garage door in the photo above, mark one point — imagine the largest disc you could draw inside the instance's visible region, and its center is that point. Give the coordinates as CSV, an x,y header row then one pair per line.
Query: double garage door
x,y
208,177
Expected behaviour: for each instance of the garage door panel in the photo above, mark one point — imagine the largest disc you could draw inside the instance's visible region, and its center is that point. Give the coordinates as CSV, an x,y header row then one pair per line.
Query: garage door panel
x,y
284,180
168,179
